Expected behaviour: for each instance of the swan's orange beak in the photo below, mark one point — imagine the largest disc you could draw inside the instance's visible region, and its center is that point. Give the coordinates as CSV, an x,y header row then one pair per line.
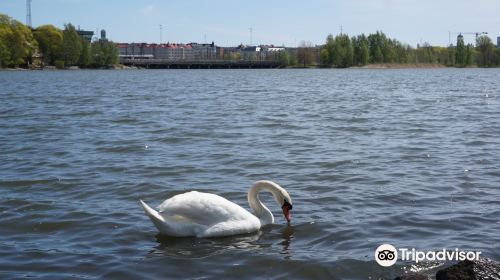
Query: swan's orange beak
x,y
286,211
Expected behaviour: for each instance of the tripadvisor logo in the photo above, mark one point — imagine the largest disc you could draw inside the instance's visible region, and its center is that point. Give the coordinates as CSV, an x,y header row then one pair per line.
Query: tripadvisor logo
x,y
387,255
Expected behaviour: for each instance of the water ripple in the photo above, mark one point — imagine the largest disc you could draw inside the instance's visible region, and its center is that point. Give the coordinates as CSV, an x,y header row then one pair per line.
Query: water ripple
x,y
407,157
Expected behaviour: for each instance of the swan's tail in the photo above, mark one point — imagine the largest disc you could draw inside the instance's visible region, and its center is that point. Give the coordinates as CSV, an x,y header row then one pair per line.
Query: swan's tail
x,y
155,217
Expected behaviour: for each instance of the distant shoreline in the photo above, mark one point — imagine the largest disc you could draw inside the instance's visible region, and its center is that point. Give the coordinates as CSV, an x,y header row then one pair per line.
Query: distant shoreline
x,y
401,66
368,66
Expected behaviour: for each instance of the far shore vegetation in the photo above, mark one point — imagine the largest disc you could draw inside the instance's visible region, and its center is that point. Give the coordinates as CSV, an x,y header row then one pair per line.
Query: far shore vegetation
x,y
47,45
378,51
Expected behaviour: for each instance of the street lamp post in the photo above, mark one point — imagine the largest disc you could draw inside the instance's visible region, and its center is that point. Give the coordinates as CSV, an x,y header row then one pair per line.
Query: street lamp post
x,y
161,34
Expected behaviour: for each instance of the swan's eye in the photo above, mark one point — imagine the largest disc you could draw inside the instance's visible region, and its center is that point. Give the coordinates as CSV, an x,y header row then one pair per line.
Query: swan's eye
x,y
290,207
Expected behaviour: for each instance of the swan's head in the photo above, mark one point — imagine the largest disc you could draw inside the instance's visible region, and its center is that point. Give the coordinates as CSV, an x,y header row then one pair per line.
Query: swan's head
x,y
285,201
280,195
287,206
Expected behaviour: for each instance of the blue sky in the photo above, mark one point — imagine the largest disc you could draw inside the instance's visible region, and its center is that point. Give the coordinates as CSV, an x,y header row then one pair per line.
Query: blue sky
x,y
227,22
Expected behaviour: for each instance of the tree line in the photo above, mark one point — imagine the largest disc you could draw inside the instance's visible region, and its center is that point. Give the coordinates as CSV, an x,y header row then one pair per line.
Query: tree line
x,y
343,51
48,45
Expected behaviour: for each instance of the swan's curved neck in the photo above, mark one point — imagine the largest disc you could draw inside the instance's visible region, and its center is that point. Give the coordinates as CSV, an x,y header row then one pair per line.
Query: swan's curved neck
x,y
261,211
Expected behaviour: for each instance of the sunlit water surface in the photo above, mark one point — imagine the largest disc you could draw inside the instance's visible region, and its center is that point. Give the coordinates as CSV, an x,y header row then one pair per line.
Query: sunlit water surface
x,y
406,157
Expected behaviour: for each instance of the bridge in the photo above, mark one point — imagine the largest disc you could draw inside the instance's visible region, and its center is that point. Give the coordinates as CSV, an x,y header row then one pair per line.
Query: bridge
x,y
158,63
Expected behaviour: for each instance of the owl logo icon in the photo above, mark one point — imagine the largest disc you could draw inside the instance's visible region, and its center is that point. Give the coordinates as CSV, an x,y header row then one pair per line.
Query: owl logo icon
x,y
386,255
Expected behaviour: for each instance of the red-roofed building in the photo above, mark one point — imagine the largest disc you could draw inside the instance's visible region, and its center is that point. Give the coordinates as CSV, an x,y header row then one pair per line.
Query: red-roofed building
x,y
168,51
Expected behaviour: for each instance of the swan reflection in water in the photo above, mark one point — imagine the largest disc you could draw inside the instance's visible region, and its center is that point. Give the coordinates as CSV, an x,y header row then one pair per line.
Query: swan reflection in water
x,y
192,247
195,248
287,236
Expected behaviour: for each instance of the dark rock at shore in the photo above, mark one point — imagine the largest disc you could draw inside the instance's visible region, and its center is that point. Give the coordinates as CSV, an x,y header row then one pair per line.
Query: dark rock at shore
x,y
482,269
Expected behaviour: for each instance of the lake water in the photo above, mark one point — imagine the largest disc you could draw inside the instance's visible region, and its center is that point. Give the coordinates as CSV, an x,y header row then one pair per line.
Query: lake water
x,y
406,157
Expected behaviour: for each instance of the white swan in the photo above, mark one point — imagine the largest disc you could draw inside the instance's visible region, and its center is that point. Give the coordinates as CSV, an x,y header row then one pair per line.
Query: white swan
x,y
209,215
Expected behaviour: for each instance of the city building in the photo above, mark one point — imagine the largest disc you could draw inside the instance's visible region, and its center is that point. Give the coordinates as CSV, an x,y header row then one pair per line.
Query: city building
x,y
168,51
498,42
103,36
87,35
197,52
273,48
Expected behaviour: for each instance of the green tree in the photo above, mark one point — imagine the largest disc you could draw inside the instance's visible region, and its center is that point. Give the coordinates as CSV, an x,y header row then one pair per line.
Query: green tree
x,y
112,53
401,52
18,44
4,54
336,54
356,48
325,56
343,51
377,55
486,51
497,56
50,41
460,53
23,44
469,54
428,53
71,45
233,56
305,53
330,49
376,43
5,35
364,52
451,55
104,53
387,48
287,58
85,56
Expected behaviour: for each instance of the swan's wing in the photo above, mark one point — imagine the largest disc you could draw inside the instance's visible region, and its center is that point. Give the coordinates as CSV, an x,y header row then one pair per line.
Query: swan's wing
x,y
202,208
173,228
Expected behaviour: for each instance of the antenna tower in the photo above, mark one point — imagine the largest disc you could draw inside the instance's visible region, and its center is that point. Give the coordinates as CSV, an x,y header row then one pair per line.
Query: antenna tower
x,y
28,13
